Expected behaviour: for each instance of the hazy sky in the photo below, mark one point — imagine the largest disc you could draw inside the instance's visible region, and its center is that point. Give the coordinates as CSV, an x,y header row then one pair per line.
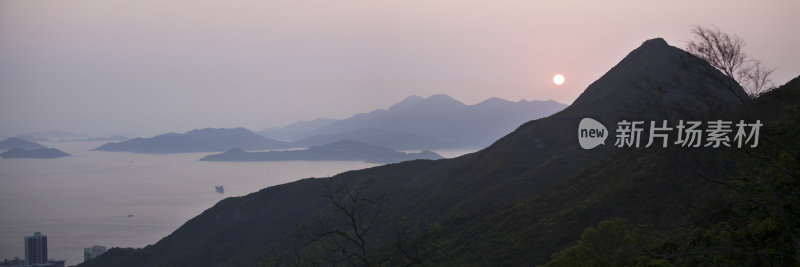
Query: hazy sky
x,y
153,66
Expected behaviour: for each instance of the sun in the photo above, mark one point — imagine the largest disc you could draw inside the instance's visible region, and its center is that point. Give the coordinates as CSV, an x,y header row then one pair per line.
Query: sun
x,y
558,79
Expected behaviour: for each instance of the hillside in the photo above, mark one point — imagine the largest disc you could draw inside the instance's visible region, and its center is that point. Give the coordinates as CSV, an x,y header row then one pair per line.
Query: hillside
x,y
526,196
203,140
662,195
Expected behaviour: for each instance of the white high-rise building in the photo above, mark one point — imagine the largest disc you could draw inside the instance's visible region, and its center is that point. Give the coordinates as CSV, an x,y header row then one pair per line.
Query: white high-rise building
x,y
93,252
36,249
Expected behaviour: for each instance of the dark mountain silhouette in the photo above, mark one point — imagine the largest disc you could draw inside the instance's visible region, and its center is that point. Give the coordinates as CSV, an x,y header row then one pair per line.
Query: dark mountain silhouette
x,y
203,140
41,153
438,121
342,150
673,191
516,202
295,131
16,142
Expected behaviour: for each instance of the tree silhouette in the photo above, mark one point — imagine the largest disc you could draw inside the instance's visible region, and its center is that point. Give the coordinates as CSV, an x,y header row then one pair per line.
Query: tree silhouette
x,y
725,52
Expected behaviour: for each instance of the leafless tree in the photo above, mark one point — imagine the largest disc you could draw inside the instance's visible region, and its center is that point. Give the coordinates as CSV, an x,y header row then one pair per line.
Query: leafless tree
x,y
755,78
724,52
349,233
342,234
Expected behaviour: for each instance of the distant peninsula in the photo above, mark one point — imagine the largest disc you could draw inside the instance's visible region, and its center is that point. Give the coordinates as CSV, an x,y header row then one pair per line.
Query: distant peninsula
x,y
202,140
340,151
41,153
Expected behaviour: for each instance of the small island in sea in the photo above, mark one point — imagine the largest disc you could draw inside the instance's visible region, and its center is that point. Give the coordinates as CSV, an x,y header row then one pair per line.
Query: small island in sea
x,y
42,153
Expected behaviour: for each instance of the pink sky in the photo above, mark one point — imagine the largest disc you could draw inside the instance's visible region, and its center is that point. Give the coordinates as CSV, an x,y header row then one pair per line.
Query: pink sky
x,y
148,67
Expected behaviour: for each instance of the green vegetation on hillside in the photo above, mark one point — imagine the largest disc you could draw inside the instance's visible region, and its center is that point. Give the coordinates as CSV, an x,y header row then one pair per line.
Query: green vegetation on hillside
x,y
758,226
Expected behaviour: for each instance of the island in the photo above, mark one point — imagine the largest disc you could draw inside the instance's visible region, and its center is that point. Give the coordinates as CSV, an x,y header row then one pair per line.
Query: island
x,y
42,153
340,151
16,142
202,140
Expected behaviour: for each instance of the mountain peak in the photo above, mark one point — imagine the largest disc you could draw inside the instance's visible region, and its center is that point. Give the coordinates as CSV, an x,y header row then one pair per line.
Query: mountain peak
x,y
442,99
414,100
494,101
406,102
655,42
658,78
436,101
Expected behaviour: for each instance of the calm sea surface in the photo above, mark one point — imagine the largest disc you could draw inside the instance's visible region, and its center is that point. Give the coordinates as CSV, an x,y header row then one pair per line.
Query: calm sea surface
x,y
86,199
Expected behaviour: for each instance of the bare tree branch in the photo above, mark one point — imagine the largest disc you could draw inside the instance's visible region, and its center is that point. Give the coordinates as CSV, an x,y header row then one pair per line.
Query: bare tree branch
x,y
725,52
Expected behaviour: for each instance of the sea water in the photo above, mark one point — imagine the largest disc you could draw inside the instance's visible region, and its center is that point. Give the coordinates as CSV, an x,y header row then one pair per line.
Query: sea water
x,y
120,199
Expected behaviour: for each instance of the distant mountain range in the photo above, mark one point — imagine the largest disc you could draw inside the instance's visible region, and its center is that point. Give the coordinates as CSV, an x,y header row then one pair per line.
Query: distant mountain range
x,y
342,150
295,131
525,197
436,122
203,140
41,153
415,123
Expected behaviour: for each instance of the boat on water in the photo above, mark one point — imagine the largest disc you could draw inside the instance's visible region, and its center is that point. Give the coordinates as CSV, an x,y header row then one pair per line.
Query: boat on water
x,y
220,189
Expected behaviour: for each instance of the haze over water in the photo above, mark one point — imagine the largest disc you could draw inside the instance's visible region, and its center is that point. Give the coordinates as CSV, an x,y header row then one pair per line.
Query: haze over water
x,y
85,199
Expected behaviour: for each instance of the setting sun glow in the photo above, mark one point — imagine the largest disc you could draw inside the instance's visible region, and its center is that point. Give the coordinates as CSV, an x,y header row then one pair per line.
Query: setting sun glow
x,y
558,79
